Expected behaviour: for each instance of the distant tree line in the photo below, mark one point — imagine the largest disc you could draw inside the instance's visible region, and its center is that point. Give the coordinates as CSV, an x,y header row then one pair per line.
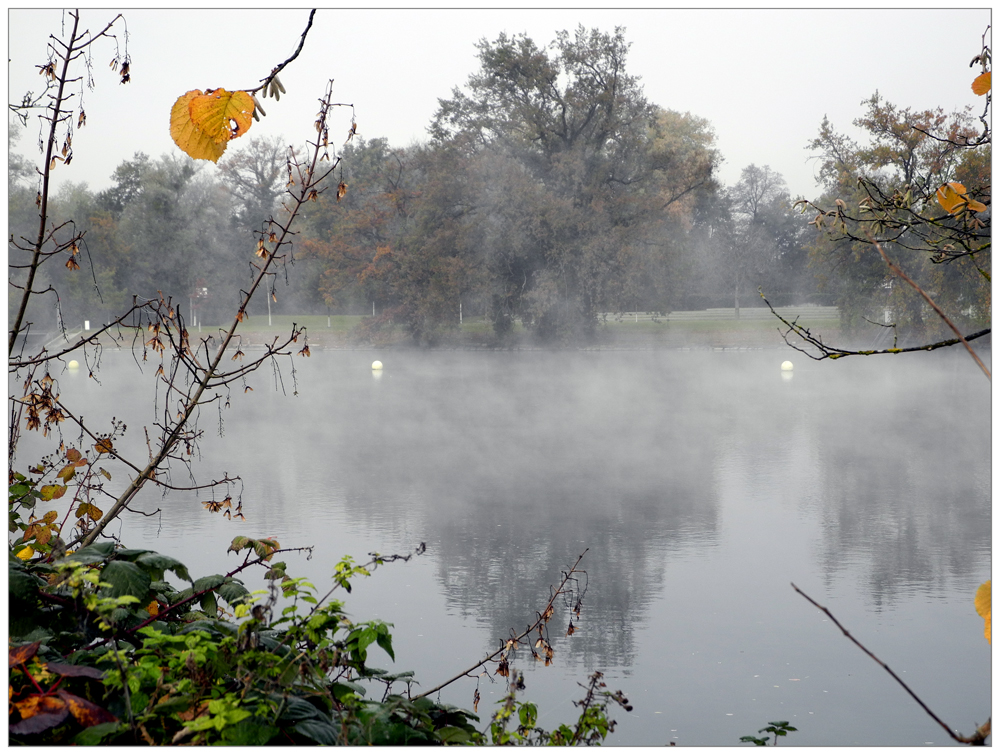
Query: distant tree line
x,y
549,192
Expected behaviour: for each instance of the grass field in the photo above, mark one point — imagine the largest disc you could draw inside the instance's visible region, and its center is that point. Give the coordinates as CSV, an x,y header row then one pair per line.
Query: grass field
x,y
335,331
344,323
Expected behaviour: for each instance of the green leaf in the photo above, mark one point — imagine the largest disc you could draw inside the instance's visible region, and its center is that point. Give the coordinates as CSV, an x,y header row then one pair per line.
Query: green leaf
x,y
297,709
214,627
342,689
21,585
177,597
452,735
320,732
174,705
384,640
289,674
165,588
209,604
91,554
208,583
156,563
125,578
94,735
250,732
232,592
239,543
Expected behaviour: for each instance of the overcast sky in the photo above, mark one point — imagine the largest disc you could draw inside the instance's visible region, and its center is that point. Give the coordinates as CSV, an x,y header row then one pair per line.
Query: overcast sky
x,y
764,79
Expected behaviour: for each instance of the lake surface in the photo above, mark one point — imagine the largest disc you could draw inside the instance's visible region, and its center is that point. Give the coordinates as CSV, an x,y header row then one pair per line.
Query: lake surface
x,y
702,483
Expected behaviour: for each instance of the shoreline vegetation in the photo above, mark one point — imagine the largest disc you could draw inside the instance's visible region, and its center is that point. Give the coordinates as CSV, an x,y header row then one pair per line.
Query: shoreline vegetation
x,y
713,329
706,329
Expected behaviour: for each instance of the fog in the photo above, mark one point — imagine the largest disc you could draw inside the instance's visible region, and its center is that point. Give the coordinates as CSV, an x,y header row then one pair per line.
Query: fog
x,y
700,483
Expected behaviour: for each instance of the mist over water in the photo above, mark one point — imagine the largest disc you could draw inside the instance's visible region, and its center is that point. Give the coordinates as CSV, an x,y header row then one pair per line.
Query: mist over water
x,y
702,483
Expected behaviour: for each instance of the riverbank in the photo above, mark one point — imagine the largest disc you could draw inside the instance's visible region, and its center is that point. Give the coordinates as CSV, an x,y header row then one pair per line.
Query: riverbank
x,y
754,332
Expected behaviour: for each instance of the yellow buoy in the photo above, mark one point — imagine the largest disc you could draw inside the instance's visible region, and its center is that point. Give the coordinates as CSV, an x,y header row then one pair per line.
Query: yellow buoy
x,y
73,364
786,366
376,365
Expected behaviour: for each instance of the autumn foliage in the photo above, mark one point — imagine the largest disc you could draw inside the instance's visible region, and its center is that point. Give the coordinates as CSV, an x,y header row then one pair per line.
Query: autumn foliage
x,y
202,123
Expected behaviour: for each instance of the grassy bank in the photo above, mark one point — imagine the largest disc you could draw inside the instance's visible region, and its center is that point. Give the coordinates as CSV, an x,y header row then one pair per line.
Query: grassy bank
x,y
338,332
335,332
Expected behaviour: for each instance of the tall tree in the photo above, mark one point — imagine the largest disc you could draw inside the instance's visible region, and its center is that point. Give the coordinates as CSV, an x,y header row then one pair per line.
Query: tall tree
x,y
577,130
762,238
255,174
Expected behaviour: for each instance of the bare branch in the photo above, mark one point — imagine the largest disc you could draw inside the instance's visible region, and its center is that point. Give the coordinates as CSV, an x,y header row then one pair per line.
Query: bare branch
x,y
541,620
279,68
981,733
836,352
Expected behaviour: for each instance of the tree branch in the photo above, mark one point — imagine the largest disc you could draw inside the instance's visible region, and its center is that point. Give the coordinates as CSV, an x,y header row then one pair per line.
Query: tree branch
x,y
976,739
836,352
898,271
542,619
277,69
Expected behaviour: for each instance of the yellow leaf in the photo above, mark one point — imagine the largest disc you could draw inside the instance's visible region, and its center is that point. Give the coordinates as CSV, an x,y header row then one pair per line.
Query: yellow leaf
x,y
982,84
25,553
983,606
186,133
954,200
51,492
222,115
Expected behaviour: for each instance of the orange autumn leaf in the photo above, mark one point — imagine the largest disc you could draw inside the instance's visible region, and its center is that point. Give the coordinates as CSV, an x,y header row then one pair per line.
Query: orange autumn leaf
x,y
222,115
982,84
186,133
22,653
954,199
984,608
34,705
202,123
84,711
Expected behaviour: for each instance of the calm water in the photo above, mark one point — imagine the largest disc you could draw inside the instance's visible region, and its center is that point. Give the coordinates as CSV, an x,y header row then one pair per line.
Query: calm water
x,y
703,483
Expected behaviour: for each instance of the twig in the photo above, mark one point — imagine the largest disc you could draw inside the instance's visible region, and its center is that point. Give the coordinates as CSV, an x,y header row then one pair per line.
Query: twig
x,y
538,622
898,271
835,352
981,733
277,69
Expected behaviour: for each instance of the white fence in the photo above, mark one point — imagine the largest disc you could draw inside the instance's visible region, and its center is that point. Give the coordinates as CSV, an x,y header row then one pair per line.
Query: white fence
x,y
804,312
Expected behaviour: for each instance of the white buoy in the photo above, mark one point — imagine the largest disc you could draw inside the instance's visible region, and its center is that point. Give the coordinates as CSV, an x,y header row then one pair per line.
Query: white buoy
x,y
376,365
786,366
73,364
